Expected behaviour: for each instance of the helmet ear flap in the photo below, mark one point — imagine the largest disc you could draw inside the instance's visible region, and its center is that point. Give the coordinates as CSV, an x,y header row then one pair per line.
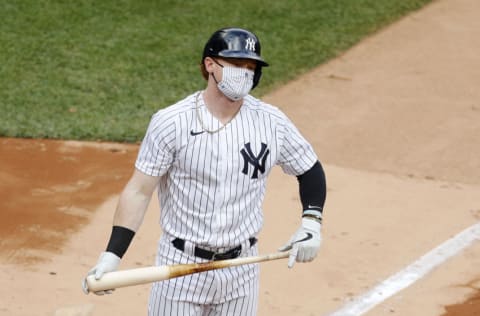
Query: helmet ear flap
x,y
256,76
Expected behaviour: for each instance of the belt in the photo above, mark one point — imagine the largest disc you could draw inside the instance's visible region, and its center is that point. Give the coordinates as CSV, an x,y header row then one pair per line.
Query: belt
x,y
211,255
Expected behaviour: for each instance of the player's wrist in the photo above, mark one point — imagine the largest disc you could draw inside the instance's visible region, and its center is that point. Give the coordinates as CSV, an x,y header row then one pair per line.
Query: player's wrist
x,y
120,240
315,215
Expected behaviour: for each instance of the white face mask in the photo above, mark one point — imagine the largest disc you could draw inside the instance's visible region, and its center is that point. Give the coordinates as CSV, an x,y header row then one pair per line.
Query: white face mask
x,y
236,82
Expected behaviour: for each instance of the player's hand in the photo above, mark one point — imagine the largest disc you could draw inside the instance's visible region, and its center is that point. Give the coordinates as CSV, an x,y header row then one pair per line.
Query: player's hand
x,y
305,243
107,262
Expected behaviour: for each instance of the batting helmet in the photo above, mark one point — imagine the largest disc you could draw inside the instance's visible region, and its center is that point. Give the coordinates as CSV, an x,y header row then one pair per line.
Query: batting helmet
x,y
236,43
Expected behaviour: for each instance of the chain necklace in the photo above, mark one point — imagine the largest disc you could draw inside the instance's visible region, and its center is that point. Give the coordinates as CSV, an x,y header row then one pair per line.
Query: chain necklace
x,y
200,120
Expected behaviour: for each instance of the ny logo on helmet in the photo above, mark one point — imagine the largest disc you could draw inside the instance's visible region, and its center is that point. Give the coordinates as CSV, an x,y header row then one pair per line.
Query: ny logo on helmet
x,y
258,162
250,44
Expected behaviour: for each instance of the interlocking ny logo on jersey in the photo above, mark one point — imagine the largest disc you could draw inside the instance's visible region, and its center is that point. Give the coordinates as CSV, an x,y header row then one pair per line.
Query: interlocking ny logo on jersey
x,y
258,162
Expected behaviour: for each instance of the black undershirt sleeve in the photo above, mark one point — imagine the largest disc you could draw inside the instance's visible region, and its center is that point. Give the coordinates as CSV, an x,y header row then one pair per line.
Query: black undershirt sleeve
x,y
313,188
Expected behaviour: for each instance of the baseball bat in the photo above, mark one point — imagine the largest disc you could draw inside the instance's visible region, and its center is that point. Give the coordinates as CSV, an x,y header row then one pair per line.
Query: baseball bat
x,y
130,277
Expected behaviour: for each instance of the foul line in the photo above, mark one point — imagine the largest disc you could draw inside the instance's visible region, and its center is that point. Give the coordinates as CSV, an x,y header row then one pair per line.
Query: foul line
x,y
406,277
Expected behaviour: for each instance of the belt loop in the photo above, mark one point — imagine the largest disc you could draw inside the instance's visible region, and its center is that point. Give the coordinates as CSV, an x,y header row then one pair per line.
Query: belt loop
x,y
244,247
189,248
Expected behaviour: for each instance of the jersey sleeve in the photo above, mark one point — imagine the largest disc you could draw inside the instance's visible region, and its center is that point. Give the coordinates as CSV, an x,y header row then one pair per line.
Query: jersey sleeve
x,y
296,154
157,150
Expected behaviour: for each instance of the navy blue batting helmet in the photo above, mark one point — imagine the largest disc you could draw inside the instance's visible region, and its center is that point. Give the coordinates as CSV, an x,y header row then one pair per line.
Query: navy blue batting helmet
x,y
236,43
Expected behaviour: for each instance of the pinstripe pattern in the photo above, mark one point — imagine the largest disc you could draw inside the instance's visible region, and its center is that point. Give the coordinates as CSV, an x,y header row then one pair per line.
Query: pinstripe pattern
x,y
211,193
233,289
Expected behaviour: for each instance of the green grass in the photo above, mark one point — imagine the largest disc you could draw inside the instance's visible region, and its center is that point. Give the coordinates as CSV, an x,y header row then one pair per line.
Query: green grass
x,y
99,69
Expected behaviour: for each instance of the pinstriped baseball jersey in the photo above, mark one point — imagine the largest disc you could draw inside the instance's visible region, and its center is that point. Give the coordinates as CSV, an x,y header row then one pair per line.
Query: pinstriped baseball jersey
x,y
213,184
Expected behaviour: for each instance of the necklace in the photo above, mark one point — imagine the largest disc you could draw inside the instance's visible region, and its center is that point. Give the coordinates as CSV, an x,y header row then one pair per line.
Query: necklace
x,y
200,120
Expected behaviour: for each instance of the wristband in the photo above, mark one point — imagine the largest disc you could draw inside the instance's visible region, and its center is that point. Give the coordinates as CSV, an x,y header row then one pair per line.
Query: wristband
x,y
120,240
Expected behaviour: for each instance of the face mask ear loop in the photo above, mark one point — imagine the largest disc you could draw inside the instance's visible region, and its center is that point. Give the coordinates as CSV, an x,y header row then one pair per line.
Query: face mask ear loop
x,y
213,75
216,62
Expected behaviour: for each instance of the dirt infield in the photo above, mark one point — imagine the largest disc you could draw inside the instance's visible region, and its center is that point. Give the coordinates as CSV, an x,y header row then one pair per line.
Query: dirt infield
x,y
395,120
49,189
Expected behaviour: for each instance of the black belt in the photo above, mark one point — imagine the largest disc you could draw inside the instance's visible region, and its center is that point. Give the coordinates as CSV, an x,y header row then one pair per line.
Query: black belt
x,y
211,255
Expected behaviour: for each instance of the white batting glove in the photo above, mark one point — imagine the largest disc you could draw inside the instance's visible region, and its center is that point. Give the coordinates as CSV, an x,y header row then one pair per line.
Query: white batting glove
x,y
107,262
305,243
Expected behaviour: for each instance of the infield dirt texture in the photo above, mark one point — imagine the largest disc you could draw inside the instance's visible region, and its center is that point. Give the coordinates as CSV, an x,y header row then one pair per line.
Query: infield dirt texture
x,y
396,122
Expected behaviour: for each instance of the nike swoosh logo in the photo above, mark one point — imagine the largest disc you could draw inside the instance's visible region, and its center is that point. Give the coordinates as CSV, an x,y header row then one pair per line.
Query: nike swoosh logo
x,y
309,236
196,133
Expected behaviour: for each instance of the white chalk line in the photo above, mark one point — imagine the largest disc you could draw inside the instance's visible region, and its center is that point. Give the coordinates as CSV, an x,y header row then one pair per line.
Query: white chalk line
x,y
406,277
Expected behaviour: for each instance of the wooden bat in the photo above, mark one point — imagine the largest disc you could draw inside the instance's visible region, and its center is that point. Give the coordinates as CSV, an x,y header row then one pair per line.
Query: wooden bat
x,y
116,279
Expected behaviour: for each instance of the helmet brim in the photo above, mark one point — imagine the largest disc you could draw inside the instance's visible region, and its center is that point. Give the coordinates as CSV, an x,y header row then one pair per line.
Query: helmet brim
x,y
243,55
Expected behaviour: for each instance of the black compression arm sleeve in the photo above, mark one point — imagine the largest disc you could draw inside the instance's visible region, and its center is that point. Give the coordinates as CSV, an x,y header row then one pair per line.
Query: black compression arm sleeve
x,y
313,188
120,240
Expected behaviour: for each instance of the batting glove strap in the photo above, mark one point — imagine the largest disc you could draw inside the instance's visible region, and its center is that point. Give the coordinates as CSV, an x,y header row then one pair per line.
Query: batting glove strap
x,y
313,214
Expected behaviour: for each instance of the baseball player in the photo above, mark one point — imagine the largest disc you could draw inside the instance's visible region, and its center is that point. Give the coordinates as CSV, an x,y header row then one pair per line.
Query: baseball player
x,y
209,156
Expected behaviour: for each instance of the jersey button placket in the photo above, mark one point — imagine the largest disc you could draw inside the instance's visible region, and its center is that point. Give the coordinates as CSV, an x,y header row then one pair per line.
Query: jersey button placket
x,y
218,275
220,191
